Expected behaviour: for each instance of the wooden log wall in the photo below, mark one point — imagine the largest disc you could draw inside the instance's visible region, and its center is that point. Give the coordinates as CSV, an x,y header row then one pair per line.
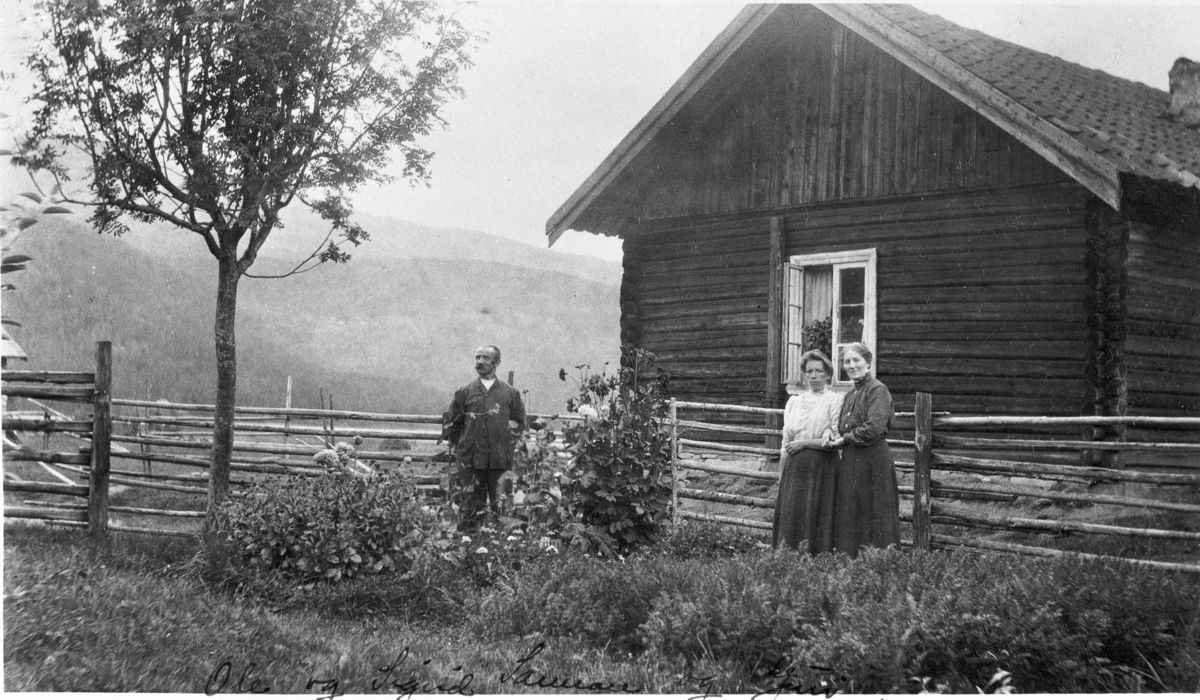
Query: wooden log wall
x,y
980,299
810,112
1162,342
631,332
980,293
700,301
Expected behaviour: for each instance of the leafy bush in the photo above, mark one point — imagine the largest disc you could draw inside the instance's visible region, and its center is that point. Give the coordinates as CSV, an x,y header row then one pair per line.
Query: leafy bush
x,y
539,475
330,527
340,528
619,484
885,622
341,458
818,335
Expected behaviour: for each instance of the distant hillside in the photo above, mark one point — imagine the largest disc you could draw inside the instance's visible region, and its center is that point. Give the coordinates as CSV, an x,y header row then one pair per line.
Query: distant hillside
x,y
390,239
387,333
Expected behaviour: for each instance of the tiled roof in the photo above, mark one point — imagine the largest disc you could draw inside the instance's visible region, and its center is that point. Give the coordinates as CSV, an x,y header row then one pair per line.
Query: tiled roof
x,y
1119,120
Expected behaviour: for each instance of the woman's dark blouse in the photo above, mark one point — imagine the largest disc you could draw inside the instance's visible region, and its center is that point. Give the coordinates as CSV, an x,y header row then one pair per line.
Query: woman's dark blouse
x,y
866,412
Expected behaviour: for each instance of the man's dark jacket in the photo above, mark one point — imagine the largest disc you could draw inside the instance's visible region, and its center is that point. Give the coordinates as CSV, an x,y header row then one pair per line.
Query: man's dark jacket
x,y
477,424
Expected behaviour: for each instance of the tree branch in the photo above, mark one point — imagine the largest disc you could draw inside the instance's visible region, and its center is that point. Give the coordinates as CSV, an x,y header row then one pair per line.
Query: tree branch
x,y
296,270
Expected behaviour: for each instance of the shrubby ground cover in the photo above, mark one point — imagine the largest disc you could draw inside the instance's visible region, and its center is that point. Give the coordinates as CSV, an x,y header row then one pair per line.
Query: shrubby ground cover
x,y
703,607
356,582
888,621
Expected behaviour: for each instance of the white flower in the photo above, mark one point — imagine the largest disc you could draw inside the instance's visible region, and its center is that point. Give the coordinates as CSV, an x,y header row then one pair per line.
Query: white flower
x,y
552,549
512,538
588,412
481,550
466,539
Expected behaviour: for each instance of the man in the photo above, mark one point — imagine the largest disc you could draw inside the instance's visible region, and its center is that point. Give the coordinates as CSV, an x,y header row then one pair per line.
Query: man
x,y
484,418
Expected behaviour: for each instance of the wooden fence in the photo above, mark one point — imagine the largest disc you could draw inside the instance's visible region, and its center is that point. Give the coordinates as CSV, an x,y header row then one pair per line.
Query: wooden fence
x,y
925,442
942,446
268,441
165,447
87,506
170,442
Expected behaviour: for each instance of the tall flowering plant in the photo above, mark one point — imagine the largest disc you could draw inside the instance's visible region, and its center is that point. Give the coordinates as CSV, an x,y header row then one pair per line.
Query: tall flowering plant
x,y
619,482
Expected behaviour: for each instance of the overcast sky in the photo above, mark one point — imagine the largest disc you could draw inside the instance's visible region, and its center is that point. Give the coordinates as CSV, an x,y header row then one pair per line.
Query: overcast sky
x,y
558,83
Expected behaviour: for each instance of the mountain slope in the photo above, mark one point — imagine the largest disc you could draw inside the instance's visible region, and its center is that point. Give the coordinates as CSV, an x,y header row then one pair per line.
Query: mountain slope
x,y
391,239
388,334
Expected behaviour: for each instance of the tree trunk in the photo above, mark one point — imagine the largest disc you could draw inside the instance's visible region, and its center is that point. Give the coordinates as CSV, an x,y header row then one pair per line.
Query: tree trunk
x,y
228,276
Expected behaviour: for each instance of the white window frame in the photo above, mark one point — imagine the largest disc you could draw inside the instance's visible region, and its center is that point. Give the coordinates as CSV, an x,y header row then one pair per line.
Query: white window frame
x,y
865,258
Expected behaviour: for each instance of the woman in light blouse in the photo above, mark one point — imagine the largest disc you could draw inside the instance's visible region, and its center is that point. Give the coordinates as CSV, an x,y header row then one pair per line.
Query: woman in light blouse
x,y
804,507
867,505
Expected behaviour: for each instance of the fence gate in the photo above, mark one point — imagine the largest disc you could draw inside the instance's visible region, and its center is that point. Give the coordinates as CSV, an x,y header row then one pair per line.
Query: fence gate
x,y
93,461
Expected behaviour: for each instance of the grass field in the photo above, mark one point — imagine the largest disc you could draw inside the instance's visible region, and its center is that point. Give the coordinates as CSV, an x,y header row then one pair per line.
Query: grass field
x,y
707,610
133,615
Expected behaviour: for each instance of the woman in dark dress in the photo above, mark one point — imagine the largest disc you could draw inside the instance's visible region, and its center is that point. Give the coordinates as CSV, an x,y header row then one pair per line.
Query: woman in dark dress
x,y
804,507
867,503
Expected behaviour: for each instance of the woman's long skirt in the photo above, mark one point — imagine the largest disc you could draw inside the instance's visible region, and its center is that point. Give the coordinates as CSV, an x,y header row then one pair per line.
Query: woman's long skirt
x,y
804,509
867,503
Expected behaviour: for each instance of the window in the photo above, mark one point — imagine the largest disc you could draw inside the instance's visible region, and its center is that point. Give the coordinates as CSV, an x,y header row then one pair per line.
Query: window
x,y
829,303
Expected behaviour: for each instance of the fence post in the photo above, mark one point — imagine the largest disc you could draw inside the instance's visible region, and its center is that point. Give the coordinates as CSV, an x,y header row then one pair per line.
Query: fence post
x,y
287,419
332,440
143,430
674,418
923,465
101,441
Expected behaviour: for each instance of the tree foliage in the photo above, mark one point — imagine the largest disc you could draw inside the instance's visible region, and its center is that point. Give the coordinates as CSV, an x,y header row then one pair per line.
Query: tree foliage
x,y
214,115
16,217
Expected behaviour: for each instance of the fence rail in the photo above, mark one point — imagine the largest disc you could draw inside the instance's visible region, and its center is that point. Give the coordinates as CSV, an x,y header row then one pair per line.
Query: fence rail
x,y
91,387
933,449
927,459
169,442
277,441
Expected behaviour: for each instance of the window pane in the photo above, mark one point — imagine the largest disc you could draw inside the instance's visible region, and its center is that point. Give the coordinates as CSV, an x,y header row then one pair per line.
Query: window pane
x,y
850,329
818,308
854,281
818,293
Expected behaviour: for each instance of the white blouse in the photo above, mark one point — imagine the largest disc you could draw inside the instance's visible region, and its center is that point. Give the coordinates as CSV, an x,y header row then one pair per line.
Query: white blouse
x,y
807,415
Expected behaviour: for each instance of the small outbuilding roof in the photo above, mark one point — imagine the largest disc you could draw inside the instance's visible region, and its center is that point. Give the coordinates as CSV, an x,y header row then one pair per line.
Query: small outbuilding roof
x,y
10,348
1094,126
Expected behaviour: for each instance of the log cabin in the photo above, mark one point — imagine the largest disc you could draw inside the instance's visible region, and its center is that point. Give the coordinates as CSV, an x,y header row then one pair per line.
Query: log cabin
x,y
1011,232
